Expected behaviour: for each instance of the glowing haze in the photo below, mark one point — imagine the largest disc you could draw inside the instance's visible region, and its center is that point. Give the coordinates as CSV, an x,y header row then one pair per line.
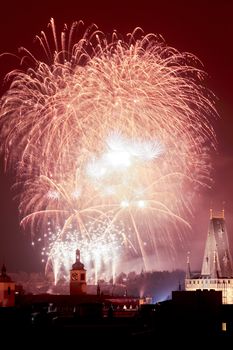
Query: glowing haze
x,y
108,139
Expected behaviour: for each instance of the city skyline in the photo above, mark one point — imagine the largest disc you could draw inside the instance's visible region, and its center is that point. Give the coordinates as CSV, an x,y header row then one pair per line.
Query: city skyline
x,y
200,30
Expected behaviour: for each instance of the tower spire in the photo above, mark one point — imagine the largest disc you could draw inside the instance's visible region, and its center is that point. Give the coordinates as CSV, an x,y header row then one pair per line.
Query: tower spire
x,y
188,270
217,260
77,255
3,270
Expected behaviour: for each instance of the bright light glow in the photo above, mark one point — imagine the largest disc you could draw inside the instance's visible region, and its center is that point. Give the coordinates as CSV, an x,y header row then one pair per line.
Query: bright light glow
x,y
124,204
118,159
102,128
141,204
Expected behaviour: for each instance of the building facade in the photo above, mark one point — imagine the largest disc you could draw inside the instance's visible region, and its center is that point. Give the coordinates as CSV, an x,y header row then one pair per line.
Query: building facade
x,y
217,269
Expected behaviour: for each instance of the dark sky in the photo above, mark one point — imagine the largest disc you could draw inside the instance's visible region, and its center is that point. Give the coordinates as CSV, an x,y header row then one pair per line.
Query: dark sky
x,y
203,28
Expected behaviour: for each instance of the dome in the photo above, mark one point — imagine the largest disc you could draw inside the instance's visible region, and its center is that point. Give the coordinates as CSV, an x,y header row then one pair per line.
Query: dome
x,y
78,265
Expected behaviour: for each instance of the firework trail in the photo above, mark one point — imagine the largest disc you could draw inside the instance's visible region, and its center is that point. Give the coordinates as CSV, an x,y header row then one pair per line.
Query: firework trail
x,y
106,131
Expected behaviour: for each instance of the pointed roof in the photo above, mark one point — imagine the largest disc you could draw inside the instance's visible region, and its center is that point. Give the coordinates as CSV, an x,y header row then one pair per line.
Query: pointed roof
x,y
217,261
4,277
188,270
78,265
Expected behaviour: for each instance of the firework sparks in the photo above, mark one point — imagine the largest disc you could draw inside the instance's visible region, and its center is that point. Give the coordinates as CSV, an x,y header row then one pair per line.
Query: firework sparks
x,y
102,248
106,131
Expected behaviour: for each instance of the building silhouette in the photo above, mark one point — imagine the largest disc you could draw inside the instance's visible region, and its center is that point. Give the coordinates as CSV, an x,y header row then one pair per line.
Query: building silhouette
x,y
217,269
7,289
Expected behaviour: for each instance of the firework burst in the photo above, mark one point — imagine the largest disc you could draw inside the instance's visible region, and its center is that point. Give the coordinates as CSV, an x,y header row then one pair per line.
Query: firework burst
x,y
104,131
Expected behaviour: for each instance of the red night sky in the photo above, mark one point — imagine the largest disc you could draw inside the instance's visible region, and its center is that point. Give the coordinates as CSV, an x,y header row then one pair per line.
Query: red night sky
x,y
203,28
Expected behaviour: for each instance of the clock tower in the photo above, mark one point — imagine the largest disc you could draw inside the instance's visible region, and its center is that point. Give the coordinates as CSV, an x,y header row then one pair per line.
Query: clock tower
x,y
78,284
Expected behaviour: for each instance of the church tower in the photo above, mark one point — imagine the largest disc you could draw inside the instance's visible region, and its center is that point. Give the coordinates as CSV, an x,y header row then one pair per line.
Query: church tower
x,y
7,289
78,284
217,260
217,268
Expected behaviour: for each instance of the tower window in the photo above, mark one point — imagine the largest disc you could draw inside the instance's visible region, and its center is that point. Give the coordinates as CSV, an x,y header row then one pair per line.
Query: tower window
x,y
9,290
82,277
224,326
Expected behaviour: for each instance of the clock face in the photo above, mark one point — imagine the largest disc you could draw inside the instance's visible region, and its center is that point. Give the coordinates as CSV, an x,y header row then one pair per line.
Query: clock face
x,y
74,276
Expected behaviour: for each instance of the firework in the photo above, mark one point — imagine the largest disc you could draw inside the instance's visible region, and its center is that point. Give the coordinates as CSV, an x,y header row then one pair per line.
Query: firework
x,y
106,131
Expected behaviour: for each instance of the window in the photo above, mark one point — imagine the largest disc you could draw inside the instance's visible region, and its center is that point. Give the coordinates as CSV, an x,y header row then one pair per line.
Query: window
x,y
224,326
9,291
82,277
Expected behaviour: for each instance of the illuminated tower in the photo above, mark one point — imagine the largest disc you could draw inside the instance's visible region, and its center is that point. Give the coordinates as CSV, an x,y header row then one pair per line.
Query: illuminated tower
x,y
78,284
217,260
7,289
217,268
